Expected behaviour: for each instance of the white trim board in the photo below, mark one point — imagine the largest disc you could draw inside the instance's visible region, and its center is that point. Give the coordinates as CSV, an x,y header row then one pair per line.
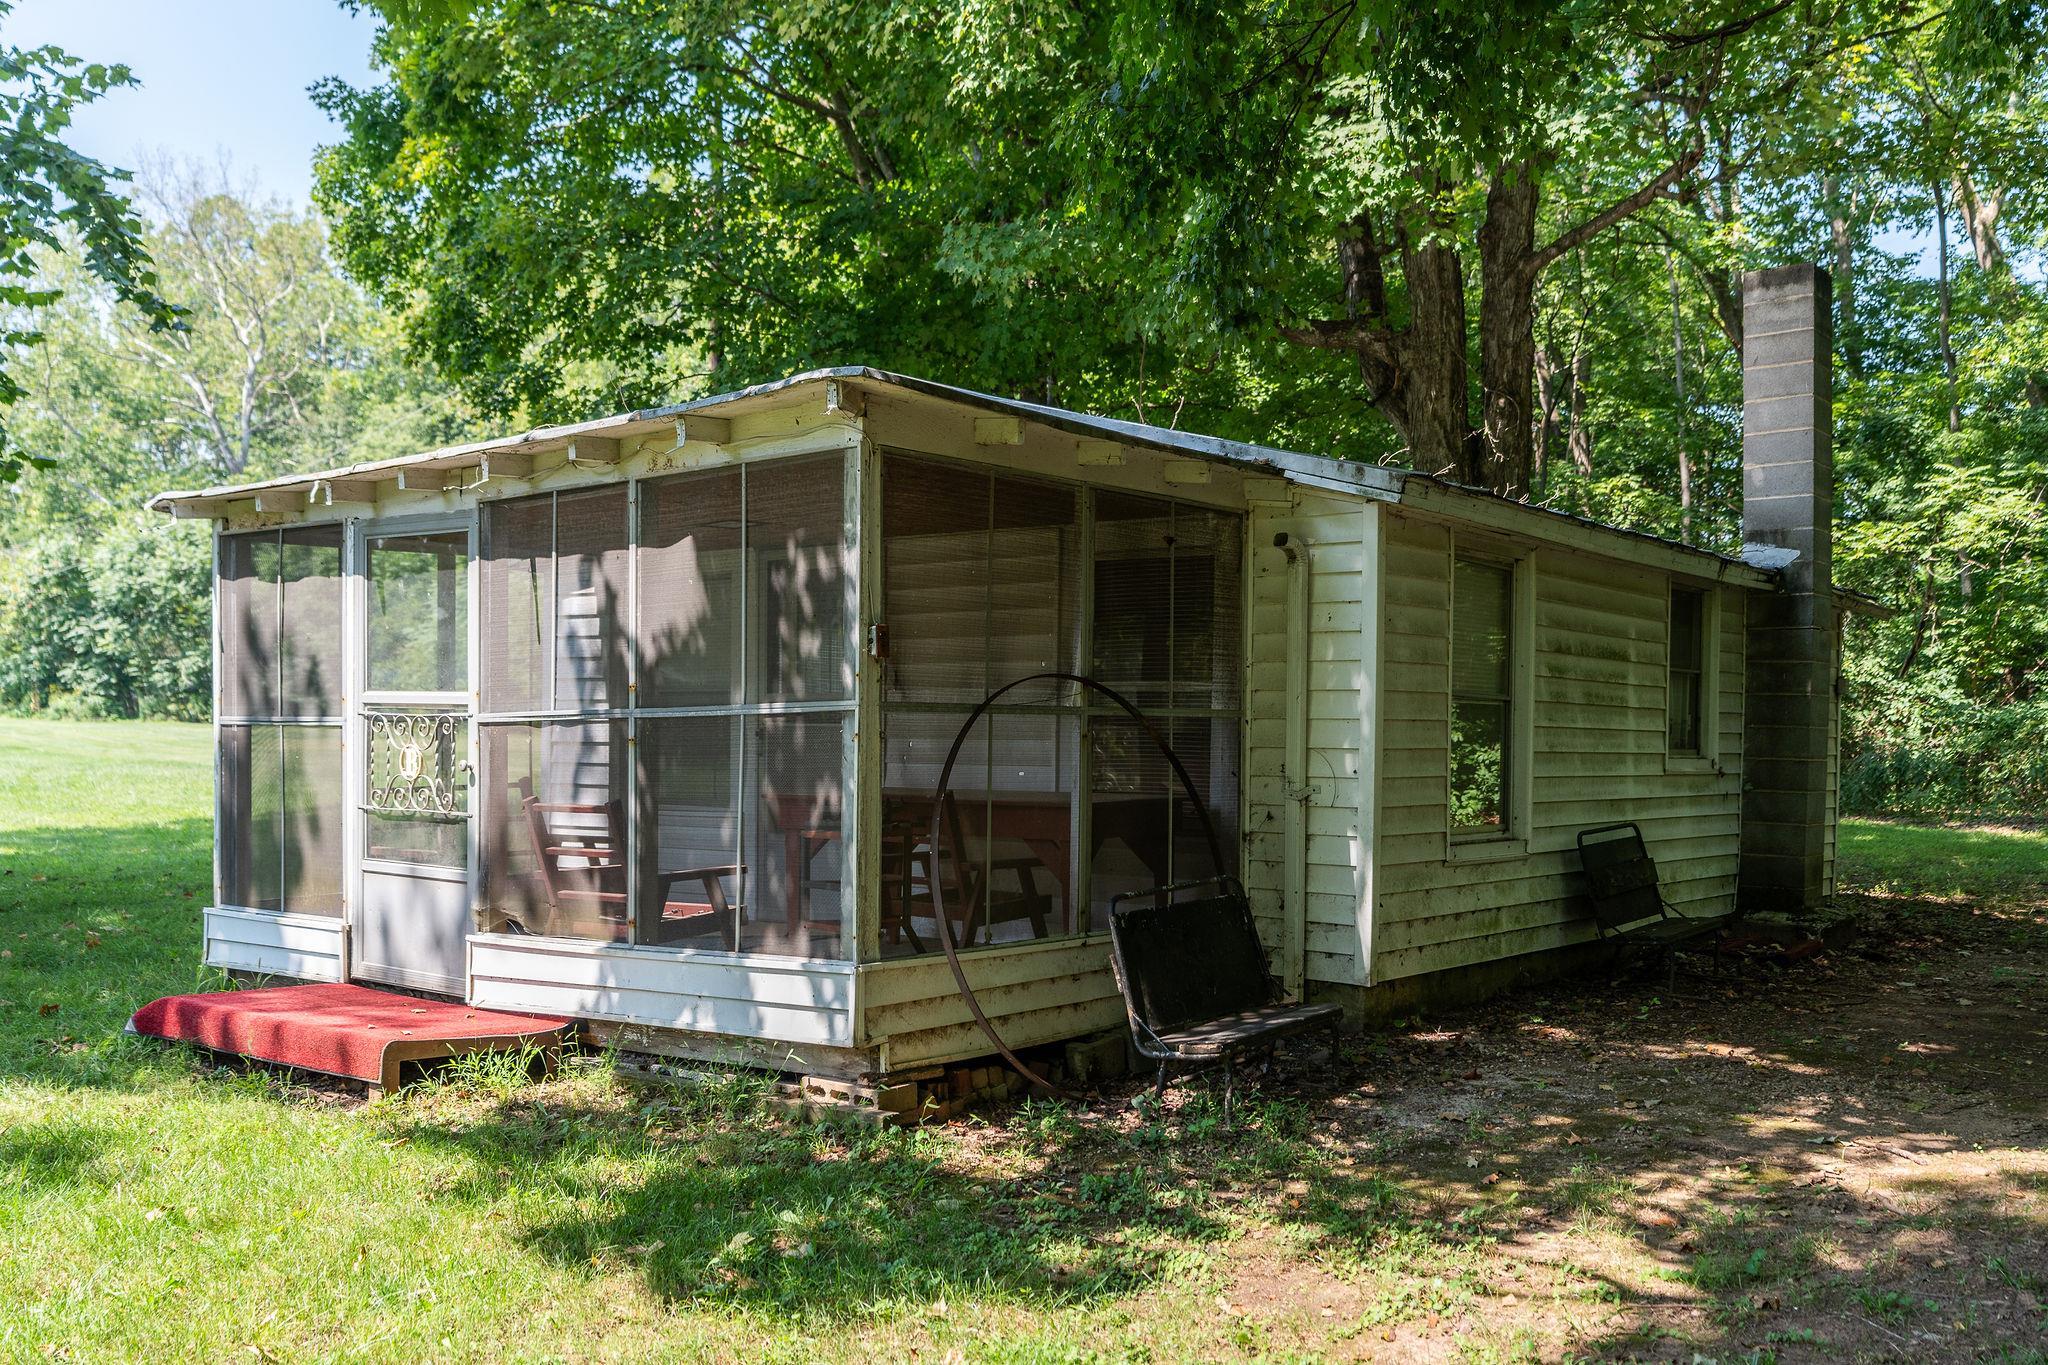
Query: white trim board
x,y
790,1000
276,943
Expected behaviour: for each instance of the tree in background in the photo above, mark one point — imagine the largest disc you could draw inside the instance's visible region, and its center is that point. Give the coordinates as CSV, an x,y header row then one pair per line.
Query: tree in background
x,y
54,199
281,364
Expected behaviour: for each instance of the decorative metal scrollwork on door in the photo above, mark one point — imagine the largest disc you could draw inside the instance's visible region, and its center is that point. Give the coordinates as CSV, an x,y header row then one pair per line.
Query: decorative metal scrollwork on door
x,y
416,764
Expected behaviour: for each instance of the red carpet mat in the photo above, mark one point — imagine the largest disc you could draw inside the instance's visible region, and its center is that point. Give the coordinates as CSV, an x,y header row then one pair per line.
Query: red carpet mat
x,y
341,1030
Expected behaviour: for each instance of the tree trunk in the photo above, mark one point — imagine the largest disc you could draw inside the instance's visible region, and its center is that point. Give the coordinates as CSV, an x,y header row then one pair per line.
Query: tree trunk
x,y
1948,355
1685,494
1980,216
1549,397
1841,221
1430,391
1578,441
1507,328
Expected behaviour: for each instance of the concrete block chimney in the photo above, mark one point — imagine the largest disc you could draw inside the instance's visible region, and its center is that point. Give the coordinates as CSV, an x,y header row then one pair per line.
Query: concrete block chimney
x,y
1788,506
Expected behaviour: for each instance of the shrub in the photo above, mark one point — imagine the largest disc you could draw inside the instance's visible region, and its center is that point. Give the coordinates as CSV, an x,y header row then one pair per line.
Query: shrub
x,y
116,625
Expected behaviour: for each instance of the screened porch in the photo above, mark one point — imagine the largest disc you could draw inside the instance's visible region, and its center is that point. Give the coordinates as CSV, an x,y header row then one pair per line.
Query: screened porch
x,y
629,712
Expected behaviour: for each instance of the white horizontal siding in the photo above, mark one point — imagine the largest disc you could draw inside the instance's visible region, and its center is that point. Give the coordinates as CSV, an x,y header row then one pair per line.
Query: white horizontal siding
x,y
309,947
1038,992
1596,632
794,1000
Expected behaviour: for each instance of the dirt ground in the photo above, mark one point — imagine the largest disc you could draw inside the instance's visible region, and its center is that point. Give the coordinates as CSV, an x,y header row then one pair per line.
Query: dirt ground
x,y
1840,1159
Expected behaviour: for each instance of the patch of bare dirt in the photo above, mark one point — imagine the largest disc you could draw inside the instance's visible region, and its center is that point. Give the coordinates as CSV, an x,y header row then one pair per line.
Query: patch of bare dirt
x,y
1846,1159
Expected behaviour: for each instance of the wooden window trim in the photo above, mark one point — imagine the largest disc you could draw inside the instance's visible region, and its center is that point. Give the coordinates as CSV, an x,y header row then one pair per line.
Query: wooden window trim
x,y
1708,757
1511,840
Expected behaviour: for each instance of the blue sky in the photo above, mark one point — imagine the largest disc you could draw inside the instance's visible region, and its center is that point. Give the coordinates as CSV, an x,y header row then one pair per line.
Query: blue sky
x,y
217,76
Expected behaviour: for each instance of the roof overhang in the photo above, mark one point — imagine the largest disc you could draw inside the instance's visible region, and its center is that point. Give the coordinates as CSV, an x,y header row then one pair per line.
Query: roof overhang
x,y
534,453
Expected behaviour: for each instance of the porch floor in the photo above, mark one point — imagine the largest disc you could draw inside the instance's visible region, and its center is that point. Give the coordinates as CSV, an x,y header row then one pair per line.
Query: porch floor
x,y
342,1030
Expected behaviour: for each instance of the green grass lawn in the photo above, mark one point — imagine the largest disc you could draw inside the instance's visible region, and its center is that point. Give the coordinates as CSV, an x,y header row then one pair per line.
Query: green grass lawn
x,y
1920,860
156,1206
152,1206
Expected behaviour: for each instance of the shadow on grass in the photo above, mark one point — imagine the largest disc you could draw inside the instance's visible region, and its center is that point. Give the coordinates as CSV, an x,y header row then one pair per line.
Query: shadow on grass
x,y
708,1198
95,923
51,1155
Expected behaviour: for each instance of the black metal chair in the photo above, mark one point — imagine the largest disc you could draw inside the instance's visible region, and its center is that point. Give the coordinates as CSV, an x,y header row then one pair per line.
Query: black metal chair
x,y
1195,984
1628,906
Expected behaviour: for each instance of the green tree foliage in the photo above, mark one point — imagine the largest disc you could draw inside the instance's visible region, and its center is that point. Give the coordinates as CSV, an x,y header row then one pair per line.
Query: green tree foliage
x,y
281,364
53,198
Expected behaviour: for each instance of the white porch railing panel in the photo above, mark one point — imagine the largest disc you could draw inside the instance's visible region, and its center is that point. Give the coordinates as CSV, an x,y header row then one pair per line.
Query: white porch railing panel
x,y
310,947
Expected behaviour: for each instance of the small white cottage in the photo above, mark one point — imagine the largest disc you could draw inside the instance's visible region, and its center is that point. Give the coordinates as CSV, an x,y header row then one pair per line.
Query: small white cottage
x,y
637,721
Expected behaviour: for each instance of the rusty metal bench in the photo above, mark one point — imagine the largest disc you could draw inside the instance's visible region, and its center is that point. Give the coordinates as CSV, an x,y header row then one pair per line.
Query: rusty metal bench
x,y
1195,984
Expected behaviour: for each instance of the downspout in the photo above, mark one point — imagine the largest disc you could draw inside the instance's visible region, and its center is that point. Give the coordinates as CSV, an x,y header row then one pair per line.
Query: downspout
x,y
1295,789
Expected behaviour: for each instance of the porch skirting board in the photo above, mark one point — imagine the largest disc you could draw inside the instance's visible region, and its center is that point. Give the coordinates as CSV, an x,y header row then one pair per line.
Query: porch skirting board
x,y
797,1000
276,943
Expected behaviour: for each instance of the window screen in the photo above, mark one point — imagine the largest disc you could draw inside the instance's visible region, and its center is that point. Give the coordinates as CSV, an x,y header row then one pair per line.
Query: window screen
x,y
554,831
248,606
309,621
279,803
518,587
795,593
1687,680
1167,607
419,612
590,600
794,777
1482,630
690,589
690,835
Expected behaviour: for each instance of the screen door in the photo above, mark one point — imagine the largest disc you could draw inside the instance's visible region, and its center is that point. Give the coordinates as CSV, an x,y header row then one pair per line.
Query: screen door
x,y
413,919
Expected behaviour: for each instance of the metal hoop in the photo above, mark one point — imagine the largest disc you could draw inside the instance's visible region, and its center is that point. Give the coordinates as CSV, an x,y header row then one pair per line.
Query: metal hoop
x,y
944,789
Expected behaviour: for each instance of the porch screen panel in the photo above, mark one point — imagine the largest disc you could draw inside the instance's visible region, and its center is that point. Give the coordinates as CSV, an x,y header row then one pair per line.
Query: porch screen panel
x,y
1146,831
279,805
1133,801
795,593
1168,634
517,583
310,813
794,779
554,825
690,836
690,570
982,588
935,550
248,606
309,622
1035,582
591,572
1025,825
235,816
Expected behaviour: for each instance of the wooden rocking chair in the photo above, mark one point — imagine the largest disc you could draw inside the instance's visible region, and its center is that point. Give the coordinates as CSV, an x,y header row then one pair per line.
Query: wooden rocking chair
x,y
581,852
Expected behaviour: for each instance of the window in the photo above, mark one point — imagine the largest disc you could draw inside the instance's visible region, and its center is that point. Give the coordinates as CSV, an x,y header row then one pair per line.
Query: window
x,y
1482,705
281,718
1686,685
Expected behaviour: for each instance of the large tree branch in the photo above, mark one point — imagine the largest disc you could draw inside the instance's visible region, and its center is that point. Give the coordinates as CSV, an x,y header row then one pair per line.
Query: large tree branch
x,y
1621,209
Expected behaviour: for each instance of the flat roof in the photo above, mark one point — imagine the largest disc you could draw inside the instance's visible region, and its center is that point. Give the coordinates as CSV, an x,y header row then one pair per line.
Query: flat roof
x,y
1383,482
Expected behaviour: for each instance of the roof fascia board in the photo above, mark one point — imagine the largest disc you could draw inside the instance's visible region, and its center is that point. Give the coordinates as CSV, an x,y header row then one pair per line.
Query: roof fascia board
x,y
1549,527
